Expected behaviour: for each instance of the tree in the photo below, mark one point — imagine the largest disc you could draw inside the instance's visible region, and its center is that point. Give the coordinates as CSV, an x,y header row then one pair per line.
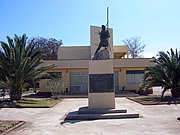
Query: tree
x,y
135,47
19,63
57,86
165,73
48,46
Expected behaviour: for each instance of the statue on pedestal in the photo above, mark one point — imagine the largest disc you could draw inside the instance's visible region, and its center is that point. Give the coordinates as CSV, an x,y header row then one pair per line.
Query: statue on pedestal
x,y
104,35
103,54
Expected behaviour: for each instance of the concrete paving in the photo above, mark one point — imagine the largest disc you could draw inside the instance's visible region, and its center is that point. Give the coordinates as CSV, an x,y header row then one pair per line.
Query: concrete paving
x,y
154,120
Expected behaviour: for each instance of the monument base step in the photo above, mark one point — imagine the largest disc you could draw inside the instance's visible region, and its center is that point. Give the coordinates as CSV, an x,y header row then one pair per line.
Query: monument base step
x,y
93,114
86,110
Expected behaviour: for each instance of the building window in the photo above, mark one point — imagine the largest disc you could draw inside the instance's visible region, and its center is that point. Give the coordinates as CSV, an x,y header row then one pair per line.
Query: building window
x,y
116,80
79,82
134,76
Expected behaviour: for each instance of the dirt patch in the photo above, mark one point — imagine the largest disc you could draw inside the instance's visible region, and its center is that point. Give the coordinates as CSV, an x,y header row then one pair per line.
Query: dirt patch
x,y
6,125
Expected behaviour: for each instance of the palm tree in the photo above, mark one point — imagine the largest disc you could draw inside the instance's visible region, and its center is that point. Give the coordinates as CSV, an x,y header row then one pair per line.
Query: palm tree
x,y
19,63
165,73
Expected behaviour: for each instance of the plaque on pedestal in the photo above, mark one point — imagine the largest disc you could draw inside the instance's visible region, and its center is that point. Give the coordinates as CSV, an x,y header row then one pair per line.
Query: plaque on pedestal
x,y
100,83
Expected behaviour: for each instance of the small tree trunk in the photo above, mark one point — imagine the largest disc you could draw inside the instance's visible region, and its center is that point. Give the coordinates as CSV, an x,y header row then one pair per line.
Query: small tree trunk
x,y
15,94
162,94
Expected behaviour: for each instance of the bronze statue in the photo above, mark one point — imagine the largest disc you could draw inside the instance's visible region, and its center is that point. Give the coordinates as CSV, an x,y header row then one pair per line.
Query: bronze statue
x,y
104,35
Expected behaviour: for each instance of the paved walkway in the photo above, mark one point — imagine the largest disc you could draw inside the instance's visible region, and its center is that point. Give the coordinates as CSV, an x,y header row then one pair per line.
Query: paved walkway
x,y
155,120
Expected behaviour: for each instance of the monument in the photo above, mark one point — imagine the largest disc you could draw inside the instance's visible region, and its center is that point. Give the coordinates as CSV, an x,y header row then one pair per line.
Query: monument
x,y
101,74
101,93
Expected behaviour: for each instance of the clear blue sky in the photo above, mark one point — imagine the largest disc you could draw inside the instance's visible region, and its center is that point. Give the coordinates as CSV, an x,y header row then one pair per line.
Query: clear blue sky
x,y
157,22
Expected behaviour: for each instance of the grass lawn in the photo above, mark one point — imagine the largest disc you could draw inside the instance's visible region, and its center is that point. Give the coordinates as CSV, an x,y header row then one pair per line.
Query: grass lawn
x,y
154,100
31,103
5,125
36,102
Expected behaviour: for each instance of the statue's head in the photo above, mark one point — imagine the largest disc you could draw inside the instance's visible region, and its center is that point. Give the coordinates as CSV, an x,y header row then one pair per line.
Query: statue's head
x,y
103,27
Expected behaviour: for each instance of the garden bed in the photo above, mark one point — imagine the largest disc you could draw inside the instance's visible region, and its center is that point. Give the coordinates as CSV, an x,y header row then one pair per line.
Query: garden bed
x,y
30,103
154,100
6,125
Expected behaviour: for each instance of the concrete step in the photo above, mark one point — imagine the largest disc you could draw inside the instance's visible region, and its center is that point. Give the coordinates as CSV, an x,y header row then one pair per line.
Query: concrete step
x,y
77,116
85,110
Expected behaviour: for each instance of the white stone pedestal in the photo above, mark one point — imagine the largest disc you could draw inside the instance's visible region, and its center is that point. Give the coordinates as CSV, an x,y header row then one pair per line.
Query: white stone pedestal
x,y
101,99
